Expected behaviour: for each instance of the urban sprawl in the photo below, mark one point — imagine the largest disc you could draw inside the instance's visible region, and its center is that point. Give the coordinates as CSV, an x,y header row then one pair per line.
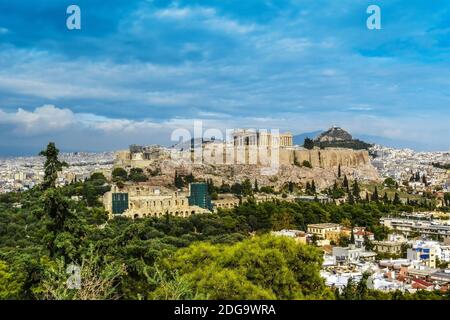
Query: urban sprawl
x,y
415,254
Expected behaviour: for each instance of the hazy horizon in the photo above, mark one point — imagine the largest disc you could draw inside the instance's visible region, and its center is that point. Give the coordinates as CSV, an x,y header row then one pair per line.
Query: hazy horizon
x,y
33,151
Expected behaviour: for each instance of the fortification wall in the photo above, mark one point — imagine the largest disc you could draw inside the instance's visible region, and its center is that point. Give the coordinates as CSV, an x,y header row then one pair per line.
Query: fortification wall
x,y
326,158
319,158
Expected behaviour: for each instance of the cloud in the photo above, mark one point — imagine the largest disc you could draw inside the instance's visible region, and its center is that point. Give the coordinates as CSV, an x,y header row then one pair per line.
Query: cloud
x,y
102,133
205,17
142,68
44,119
3,30
360,107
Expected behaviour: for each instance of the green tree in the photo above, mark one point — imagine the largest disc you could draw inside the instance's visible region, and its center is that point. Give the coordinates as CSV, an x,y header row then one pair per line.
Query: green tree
x,y
98,279
178,181
385,198
313,187
308,144
351,199
283,219
52,165
336,191
119,174
424,180
169,285
447,199
368,244
348,293
343,241
291,186
389,182
99,177
263,267
137,175
267,189
362,291
247,189
345,183
64,233
307,164
236,189
356,190
397,200
225,188
189,178
375,196
10,285
256,188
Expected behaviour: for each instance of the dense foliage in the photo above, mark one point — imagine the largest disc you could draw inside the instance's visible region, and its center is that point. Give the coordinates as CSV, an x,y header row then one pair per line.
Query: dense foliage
x,y
33,245
227,255
263,267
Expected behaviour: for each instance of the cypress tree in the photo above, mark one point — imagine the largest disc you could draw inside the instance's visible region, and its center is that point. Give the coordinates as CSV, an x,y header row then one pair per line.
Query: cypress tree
x,y
397,199
351,199
356,190
385,198
375,196
424,179
345,183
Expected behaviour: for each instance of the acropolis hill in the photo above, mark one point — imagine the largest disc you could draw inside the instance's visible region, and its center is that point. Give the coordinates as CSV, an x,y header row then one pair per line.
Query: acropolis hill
x,y
234,162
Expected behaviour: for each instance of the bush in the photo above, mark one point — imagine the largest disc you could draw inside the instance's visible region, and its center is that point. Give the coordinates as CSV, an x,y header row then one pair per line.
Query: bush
x,y
307,164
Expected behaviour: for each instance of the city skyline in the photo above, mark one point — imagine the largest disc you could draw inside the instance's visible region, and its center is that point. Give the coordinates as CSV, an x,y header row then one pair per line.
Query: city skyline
x,y
137,71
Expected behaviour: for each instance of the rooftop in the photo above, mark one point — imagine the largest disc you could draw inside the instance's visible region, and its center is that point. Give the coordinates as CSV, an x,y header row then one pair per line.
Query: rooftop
x,y
323,225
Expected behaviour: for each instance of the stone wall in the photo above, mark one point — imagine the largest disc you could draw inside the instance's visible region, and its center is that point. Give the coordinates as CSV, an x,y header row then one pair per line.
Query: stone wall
x,y
326,158
354,163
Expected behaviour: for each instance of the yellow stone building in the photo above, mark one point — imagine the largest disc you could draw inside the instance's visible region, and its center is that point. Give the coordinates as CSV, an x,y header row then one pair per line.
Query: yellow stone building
x,y
143,200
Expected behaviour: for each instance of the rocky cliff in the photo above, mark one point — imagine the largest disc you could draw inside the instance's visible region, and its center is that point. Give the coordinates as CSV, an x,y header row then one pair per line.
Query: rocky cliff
x,y
326,158
354,163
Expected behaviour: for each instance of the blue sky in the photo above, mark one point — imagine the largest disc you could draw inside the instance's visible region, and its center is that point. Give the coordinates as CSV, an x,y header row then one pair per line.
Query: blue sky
x,y
139,69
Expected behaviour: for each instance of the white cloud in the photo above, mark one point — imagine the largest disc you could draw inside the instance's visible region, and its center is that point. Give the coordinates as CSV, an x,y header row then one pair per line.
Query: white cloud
x,y
360,107
251,80
88,130
205,17
3,30
47,118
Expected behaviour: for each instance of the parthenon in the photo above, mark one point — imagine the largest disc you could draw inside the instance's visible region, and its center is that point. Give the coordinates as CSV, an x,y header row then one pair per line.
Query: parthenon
x,y
261,138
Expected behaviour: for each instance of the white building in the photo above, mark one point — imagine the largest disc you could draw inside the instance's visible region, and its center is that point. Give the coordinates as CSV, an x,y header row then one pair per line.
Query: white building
x,y
425,251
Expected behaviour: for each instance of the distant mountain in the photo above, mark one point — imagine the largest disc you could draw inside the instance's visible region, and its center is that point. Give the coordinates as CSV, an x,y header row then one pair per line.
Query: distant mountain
x,y
333,134
335,137
300,138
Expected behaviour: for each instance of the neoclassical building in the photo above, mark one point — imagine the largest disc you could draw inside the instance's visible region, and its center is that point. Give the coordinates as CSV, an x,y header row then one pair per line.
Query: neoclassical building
x,y
143,200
